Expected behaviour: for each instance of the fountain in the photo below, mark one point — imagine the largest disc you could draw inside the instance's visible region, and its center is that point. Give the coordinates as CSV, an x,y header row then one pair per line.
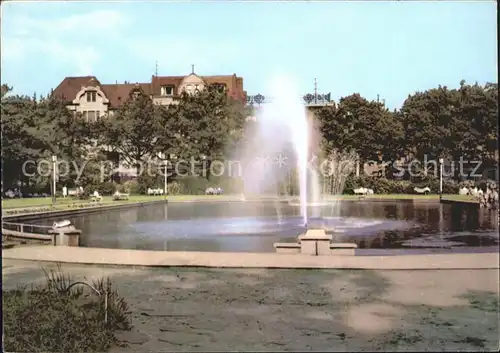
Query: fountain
x,y
283,125
282,130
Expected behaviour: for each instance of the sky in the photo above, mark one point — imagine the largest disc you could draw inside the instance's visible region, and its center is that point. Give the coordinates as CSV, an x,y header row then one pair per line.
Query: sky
x,y
391,49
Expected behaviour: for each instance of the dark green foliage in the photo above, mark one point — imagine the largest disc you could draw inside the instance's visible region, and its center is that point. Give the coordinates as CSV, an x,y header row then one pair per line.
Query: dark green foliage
x,y
192,185
52,318
203,124
440,122
366,127
132,130
107,188
35,130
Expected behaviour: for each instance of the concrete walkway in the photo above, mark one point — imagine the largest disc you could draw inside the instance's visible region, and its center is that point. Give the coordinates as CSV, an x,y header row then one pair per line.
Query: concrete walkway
x,y
101,256
270,310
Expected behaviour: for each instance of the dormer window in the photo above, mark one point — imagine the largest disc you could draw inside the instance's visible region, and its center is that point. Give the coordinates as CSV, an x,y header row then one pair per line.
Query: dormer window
x,y
167,90
91,96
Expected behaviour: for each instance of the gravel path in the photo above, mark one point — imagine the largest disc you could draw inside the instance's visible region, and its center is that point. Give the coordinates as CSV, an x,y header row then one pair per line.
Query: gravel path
x,y
186,309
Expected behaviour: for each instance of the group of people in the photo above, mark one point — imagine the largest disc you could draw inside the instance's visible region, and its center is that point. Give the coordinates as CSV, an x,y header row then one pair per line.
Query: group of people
x,y
489,199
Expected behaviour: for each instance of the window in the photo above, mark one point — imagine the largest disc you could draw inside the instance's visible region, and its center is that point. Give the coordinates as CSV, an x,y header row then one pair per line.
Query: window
x,y
91,96
167,90
91,115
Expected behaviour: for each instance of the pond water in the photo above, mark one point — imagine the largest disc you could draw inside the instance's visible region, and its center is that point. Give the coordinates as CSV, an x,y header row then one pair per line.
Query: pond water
x,y
376,227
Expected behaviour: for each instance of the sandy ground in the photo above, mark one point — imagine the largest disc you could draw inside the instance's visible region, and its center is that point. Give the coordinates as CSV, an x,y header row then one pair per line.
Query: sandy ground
x,y
186,309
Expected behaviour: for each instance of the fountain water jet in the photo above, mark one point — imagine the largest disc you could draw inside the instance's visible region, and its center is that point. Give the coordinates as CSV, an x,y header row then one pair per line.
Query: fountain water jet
x,y
288,110
283,126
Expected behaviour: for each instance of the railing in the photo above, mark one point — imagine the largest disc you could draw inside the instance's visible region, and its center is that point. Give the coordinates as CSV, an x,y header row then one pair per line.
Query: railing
x,y
27,231
26,228
309,99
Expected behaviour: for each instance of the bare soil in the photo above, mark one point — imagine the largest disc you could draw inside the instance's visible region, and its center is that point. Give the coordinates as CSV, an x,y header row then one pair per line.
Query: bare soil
x,y
195,309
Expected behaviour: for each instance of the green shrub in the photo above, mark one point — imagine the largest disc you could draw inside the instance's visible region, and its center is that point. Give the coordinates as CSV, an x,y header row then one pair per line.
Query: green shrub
x,y
107,188
450,187
192,185
52,318
131,187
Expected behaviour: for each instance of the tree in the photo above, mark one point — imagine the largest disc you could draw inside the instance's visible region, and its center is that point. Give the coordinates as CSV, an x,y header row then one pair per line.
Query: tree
x,y
457,123
32,131
427,118
207,124
132,131
363,126
475,121
16,144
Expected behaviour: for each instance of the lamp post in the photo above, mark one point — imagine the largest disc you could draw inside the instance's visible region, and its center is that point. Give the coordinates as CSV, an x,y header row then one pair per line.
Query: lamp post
x,y
165,188
54,161
441,161
163,156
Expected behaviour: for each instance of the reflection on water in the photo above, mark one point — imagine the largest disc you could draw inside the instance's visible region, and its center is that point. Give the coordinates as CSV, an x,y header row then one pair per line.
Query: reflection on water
x,y
255,226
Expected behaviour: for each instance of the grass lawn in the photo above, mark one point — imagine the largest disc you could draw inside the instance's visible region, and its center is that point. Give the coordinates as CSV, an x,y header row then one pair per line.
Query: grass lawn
x,y
66,203
463,198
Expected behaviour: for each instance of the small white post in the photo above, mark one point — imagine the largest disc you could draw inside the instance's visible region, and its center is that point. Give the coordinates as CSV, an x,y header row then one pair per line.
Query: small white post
x,y
54,161
166,185
441,161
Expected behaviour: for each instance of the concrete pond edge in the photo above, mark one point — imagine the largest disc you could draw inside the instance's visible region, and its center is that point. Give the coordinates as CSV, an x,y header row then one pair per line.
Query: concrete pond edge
x,y
150,258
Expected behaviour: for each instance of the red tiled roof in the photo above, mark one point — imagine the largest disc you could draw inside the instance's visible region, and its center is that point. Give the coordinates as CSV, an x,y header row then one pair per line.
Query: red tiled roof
x,y
158,81
120,92
70,86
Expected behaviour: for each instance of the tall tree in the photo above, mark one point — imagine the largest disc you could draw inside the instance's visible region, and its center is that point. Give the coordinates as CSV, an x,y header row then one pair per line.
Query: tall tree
x,y
452,123
132,130
32,131
208,124
363,126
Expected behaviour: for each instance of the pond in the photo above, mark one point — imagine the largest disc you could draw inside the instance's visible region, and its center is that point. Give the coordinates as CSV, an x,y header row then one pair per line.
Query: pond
x,y
376,227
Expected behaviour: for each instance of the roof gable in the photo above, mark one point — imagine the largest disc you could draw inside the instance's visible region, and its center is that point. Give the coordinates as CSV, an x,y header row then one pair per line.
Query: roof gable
x,y
70,86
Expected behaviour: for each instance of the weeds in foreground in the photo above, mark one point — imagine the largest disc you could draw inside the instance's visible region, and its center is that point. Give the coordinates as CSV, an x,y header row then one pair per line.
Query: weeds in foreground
x,y
54,318
484,301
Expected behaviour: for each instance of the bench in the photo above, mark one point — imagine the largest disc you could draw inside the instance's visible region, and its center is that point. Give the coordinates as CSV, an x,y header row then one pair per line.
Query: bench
x,y
426,190
343,248
334,249
287,248
120,197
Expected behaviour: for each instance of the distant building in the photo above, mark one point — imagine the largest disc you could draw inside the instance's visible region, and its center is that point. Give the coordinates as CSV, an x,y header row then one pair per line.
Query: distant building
x,y
88,96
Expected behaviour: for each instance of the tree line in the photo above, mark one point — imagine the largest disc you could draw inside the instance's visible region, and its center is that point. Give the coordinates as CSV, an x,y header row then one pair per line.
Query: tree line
x,y
207,124
437,123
